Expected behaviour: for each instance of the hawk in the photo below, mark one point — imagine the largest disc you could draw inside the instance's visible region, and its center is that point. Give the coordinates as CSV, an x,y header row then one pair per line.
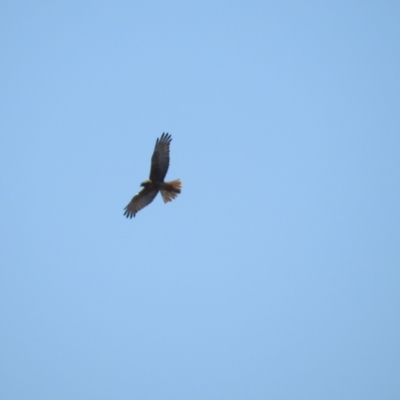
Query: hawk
x,y
155,183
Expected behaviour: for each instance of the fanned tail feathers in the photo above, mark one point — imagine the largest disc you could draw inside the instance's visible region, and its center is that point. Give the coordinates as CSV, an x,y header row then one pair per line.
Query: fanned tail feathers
x,y
170,190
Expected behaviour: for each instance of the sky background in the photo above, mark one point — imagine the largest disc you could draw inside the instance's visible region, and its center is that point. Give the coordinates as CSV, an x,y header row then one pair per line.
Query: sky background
x,y
275,274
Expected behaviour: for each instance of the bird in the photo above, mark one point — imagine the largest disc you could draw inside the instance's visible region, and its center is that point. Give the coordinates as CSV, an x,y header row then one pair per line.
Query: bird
x,y
155,183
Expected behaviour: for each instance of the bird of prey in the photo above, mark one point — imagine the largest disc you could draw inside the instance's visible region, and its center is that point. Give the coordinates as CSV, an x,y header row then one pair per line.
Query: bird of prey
x,y
155,183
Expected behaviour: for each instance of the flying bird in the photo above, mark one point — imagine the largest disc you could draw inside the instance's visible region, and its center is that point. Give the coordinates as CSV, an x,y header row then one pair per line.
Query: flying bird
x,y
155,183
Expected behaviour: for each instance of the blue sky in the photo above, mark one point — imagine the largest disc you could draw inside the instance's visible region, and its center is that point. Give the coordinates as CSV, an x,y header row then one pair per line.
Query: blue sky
x,y
275,274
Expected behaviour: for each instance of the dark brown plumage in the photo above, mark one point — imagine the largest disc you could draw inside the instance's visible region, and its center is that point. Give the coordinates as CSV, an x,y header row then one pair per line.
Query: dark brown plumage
x,y
155,183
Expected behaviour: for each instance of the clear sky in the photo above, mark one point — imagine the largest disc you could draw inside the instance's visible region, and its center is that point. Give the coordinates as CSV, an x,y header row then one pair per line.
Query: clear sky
x,y
275,274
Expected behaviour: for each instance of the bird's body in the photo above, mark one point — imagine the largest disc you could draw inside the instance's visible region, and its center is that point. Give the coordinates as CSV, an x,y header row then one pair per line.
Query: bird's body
x,y
155,183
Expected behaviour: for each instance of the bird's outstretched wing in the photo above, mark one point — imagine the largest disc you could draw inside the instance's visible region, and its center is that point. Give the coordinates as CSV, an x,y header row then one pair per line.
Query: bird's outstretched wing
x,y
160,158
139,201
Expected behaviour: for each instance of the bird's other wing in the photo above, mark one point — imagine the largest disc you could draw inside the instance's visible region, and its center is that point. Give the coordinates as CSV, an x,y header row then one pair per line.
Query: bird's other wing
x,y
160,158
139,201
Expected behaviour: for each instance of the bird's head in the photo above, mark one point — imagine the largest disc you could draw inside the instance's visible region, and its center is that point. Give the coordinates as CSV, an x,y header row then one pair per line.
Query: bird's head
x,y
147,183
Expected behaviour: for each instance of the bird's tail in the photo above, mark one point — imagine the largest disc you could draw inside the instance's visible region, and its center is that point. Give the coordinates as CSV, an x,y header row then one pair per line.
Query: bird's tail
x,y
170,190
